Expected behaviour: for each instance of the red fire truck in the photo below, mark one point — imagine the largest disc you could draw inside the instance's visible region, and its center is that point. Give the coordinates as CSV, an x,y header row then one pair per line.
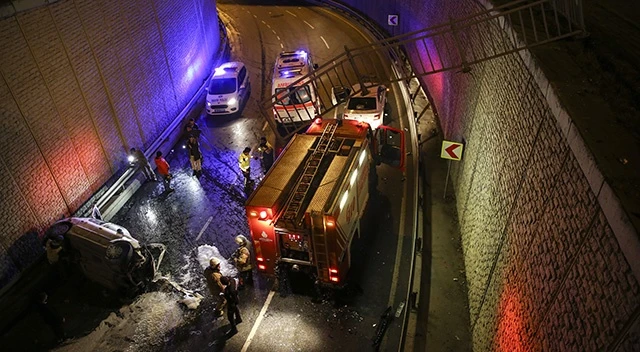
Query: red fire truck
x,y
305,213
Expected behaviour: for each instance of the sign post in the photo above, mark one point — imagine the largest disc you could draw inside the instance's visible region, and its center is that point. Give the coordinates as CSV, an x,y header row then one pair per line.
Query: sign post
x,y
451,151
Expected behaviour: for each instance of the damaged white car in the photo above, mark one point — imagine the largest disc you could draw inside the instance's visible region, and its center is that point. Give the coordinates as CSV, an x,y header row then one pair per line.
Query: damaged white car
x,y
106,253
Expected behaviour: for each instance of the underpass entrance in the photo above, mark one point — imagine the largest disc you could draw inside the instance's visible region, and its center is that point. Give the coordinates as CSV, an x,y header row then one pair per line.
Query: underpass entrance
x,y
456,45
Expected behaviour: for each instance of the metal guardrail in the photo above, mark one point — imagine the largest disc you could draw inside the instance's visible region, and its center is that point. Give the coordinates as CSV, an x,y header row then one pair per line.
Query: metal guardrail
x,y
455,45
122,181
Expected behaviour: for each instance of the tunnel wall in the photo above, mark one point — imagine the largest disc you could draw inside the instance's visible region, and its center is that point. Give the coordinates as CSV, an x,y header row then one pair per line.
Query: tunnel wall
x,y
541,229
81,82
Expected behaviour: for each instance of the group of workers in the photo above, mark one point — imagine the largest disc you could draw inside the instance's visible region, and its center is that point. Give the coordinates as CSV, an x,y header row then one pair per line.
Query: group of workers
x,y
264,153
225,289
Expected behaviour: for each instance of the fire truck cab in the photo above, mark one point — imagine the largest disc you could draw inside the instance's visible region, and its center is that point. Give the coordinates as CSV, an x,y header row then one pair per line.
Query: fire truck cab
x,y
305,213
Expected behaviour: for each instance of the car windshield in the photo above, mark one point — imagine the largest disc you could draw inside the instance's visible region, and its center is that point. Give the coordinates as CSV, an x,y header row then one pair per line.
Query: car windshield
x,y
301,96
222,85
362,103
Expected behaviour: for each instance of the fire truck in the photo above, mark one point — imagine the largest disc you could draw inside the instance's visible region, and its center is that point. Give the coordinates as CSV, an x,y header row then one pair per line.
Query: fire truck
x,y
305,213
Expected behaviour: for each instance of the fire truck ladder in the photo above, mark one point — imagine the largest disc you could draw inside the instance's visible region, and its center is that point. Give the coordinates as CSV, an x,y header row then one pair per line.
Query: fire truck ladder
x,y
291,213
318,234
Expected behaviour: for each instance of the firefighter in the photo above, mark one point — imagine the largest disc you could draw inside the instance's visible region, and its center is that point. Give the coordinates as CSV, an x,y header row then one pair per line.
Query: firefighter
x,y
266,154
231,295
242,259
212,275
140,161
244,162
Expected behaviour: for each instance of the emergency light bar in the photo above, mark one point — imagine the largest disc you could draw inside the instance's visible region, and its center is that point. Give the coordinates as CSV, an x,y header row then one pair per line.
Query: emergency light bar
x,y
290,73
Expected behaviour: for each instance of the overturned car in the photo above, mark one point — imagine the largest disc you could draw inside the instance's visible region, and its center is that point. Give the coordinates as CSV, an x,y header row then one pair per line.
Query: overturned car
x,y
106,253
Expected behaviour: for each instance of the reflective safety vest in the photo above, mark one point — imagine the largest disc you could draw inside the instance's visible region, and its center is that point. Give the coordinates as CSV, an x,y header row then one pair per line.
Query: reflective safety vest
x,y
243,161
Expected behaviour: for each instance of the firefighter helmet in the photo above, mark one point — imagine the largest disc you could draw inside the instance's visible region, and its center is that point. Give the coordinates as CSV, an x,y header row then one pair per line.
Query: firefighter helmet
x,y
240,240
214,262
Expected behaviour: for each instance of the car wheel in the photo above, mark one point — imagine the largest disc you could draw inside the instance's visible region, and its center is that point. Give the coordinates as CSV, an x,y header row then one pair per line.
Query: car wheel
x,y
58,229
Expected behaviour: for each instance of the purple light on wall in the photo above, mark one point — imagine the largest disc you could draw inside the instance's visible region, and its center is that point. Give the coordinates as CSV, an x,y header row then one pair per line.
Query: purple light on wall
x,y
193,71
428,60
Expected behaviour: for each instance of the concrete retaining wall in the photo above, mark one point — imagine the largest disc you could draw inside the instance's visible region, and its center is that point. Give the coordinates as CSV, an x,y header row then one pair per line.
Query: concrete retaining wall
x,y
82,82
551,257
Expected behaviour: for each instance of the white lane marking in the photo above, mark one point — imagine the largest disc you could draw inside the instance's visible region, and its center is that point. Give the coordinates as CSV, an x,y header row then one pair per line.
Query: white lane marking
x,y
263,22
204,228
325,42
274,31
258,321
281,46
291,13
268,26
255,16
277,36
308,24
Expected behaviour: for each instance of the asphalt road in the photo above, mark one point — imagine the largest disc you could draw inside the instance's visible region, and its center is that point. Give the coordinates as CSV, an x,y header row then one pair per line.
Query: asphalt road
x,y
258,33
202,217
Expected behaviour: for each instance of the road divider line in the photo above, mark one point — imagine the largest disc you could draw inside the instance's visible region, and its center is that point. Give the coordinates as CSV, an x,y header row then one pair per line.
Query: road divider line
x,y
204,228
291,13
256,325
325,42
309,24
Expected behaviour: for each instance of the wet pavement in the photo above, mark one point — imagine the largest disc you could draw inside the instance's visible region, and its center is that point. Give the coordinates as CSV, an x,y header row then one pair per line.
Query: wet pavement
x,y
200,219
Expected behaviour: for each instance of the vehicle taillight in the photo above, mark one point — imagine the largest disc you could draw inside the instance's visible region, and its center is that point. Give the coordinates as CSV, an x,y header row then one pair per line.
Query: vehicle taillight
x,y
318,120
331,223
263,215
262,267
333,275
260,259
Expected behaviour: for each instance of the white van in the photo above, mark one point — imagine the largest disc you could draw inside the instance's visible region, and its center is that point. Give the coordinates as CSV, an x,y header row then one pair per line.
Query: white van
x,y
228,89
105,252
302,104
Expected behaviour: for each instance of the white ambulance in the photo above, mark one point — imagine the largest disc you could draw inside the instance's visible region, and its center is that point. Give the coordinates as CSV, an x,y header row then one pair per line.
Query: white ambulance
x,y
294,103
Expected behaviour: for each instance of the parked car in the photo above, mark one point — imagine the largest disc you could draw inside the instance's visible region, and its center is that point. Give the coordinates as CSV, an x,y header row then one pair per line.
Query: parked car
x,y
228,89
368,104
105,252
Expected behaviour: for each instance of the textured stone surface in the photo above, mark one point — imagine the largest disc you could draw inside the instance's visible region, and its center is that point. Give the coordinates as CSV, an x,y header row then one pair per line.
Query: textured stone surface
x,y
545,270
82,82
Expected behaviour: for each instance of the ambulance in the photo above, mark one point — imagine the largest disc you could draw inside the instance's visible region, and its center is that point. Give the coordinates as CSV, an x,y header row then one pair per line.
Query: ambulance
x,y
294,95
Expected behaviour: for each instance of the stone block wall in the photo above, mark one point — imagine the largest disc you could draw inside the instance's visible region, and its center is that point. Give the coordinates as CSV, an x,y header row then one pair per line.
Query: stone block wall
x,y
81,82
541,229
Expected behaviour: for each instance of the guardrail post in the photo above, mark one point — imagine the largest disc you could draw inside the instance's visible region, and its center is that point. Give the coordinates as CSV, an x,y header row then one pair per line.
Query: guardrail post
x,y
355,69
454,34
